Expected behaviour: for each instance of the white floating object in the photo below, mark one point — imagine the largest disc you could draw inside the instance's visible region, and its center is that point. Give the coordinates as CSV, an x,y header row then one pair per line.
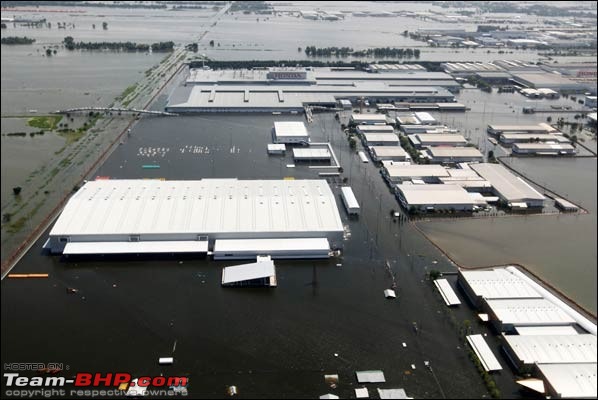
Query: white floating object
x,y
336,354
290,165
412,366
390,294
404,344
166,360
362,393
427,363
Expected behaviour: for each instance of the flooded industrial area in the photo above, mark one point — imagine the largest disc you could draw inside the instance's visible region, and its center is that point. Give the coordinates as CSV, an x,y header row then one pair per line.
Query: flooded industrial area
x,y
111,313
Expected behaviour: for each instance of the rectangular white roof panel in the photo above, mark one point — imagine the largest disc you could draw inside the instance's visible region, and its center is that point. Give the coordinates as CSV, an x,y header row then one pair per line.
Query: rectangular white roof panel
x,y
573,381
290,129
446,291
529,312
266,245
499,284
545,330
416,171
435,194
133,207
557,349
247,272
349,197
370,376
508,185
484,353
146,247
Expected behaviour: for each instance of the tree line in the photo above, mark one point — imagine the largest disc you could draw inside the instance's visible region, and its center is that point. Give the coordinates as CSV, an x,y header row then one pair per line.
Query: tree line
x,y
17,40
70,44
381,52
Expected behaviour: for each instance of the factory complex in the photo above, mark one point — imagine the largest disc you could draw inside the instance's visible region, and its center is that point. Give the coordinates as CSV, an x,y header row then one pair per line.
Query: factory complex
x,y
292,89
541,336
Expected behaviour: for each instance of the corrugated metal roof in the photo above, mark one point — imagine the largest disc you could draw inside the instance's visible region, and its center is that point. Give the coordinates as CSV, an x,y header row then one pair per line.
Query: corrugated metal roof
x,y
448,294
434,194
557,349
311,153
484,353
416,171
574,381
349,197
381,137
510,187
529,312
498,284
392,394
129,207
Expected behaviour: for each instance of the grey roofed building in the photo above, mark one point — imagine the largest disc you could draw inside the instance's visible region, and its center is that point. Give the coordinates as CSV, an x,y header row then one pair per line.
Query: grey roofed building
x,y
569,381
454,154
434,196
509,187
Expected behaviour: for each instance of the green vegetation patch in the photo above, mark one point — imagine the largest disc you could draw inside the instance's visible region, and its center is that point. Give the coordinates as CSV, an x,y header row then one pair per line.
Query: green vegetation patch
x,y
127,92
47,122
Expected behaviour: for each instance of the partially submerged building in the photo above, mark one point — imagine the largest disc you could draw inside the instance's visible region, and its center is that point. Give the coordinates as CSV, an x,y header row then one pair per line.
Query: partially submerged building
x,y
543,149
434,197
511,189
290,132
134,216
441,155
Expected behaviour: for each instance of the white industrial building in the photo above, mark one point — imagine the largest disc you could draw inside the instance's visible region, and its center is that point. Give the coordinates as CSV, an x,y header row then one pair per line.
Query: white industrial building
x,y
525,351
543,149
494,284
541,128
546,80
311,154
374,129
510,138
439,155
426,129
380,139
401,173
434,197
290,132
432,139
140,216
514,191
425,118
569,381
409,119
368,119
392,153
506,314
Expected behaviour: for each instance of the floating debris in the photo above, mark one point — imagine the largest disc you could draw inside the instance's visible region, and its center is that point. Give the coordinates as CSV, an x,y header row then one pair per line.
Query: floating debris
x,y
232,390
166,360
390,294
331,380
72,290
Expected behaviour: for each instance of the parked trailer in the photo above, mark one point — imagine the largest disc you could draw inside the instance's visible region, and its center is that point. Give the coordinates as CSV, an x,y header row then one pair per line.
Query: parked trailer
x,y
363,157
349,200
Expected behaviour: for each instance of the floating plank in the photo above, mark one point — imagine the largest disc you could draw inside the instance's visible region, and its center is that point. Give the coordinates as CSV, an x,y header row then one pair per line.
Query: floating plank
x,y
27,275
446,291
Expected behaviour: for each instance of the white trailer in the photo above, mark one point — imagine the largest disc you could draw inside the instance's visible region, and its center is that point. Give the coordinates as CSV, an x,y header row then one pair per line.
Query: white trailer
x,y
349,200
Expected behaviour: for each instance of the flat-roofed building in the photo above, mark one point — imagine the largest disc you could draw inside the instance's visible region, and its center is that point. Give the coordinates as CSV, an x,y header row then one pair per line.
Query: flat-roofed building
x,y
409,119
150,216
392,153
506,314
440,155
494,284
431,139
425,118
510,188
426,129
374,129
380,139
434,197
543,79
316,154
290,132
400,173
513,129
543,149
510,138
526,351
368,119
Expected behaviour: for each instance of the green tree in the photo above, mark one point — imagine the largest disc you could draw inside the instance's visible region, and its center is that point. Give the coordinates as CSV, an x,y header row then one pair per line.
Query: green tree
x,y
49,52
105,25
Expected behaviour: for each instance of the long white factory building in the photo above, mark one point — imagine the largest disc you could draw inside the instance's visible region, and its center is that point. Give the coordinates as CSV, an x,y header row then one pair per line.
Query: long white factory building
x,y
151,216
290,89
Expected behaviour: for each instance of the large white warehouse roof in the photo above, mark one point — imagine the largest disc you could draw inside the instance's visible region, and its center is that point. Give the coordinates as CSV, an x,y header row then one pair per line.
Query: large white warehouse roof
x,y
560,349
498,284
207,206
509,187
529,312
